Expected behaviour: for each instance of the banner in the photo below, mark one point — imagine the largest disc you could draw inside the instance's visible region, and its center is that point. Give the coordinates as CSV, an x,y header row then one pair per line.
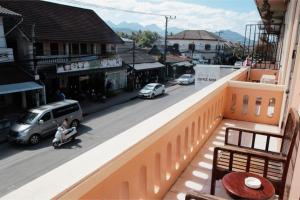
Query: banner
x,y
88,65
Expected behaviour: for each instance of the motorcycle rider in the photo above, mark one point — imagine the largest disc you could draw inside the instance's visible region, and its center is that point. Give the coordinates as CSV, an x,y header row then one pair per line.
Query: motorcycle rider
x,y
65,126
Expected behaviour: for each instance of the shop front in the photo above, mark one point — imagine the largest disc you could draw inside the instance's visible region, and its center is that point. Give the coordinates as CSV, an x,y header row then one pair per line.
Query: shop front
x,y
145,73
18,92
85,79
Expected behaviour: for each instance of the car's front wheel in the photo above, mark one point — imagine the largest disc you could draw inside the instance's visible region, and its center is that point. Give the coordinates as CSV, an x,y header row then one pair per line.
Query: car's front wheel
x,y
34,139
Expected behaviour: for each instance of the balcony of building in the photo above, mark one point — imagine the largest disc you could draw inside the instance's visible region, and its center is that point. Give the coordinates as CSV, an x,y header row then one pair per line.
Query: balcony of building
x,y
169,154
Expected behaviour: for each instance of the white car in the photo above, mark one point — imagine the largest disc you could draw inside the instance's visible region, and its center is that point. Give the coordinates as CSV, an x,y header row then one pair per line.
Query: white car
x,y
152,90
238,64
186,79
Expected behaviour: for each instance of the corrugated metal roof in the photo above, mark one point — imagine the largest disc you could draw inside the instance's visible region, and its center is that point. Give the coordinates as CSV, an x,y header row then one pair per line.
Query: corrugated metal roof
x,y
57,22
141,56
19,87
144,66
196,35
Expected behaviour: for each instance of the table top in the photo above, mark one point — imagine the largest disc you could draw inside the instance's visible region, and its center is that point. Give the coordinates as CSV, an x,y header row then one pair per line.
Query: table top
x,y
234,183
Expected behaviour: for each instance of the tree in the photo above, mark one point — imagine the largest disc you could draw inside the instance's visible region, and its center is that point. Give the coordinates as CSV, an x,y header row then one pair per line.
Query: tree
x,y
142,38
147,38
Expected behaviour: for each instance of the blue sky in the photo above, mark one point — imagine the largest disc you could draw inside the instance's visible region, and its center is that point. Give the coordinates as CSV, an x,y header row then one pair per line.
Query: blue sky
x,y
234,5
212,15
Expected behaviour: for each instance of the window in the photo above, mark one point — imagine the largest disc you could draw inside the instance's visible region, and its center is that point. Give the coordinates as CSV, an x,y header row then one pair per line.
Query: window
x,y
207,47
58,112
192,47
103,48
176,46
39,49
92,48
54,48
46,117
75,49
112,48
64,49
83,48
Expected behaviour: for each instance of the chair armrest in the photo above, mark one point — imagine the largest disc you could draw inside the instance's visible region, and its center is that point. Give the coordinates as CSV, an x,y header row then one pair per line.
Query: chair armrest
x,y
240,133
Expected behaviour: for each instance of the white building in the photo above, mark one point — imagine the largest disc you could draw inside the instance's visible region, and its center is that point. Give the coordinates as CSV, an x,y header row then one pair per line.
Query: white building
x,y
199,45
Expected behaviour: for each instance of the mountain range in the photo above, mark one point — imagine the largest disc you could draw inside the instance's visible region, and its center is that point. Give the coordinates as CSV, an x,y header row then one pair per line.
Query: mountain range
x,y
128,28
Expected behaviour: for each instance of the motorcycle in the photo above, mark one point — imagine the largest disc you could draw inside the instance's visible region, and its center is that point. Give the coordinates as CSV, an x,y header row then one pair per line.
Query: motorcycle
x,y
69,136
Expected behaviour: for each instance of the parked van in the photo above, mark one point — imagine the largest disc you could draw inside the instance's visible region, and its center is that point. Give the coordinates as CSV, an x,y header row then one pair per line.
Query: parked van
x,y
44,120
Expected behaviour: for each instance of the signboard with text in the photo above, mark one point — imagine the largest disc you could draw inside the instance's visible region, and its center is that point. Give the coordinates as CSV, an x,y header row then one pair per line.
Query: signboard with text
x,y
206,74
88,65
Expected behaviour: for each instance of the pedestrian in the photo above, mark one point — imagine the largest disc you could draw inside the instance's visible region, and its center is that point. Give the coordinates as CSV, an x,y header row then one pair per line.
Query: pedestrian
x,y
137,83
108,86
60,95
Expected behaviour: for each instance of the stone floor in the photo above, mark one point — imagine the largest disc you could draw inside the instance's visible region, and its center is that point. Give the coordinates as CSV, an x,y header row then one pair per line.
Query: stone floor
x,y
197,176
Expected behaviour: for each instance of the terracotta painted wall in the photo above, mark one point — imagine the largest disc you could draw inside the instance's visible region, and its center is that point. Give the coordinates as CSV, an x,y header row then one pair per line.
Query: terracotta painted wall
x,y
248,102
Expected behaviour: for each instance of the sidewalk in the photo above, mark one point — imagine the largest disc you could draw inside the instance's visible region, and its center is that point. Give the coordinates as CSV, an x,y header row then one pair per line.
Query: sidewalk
x,y
93,107
89,107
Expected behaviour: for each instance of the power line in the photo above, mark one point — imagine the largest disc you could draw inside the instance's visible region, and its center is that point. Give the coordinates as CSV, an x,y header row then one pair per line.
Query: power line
x,y
77,2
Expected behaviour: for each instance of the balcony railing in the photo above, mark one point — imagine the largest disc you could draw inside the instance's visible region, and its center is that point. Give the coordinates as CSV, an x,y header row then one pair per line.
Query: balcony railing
x,y
254,102
6,55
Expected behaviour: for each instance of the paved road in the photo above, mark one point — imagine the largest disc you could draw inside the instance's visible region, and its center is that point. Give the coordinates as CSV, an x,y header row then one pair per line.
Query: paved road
x,y
21,164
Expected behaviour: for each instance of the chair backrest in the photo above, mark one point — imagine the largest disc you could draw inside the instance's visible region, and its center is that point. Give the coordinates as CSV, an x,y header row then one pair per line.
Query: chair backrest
x,y
290,130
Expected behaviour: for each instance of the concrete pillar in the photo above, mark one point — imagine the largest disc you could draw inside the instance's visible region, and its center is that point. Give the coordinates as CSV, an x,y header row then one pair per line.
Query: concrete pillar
x,y
37,97
44,95
24,100
67,49
2,37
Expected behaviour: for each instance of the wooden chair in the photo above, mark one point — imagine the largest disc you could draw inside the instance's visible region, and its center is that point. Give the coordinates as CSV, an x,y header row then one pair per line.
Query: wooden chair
x,y
249,158
202,197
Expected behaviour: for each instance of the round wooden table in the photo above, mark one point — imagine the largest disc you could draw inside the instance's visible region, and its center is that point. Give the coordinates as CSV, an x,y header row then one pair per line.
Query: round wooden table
x,y
234,183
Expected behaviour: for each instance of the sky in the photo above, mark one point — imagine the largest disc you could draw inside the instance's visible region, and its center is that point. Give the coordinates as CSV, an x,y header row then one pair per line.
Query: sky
x,y
211,15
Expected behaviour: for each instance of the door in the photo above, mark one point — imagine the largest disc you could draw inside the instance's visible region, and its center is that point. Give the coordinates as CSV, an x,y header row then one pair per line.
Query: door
x,y
46,124
158,89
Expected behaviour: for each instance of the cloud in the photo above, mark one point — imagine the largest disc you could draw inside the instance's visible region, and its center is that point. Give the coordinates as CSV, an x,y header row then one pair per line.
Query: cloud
x,y
188,15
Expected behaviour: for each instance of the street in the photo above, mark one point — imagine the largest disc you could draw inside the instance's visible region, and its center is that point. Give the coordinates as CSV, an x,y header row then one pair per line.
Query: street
x,y
21,164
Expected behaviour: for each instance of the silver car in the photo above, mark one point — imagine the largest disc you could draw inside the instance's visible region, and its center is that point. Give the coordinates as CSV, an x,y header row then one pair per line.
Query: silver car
x,y
186,79
152,90
43,121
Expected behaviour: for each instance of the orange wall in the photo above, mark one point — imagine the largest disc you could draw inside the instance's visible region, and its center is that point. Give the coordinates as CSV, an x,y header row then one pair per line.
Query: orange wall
x,y
235,110
256,74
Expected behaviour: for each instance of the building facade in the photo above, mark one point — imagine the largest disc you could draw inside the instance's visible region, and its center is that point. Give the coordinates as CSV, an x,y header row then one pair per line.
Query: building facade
x,y
199,45
74,52
18,90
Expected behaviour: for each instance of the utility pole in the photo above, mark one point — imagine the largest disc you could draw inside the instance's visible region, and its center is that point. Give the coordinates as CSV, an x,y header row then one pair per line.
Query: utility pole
x,y
34,50
218,52
166,41
133,54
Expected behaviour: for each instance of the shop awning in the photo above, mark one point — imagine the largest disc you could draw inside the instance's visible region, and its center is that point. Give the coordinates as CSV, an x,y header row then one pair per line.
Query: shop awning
x,y
19,87
183,64
145,66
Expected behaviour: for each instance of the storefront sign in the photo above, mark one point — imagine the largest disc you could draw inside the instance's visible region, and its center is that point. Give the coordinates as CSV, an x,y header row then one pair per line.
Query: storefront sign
x,y
111,62
88,65
205,74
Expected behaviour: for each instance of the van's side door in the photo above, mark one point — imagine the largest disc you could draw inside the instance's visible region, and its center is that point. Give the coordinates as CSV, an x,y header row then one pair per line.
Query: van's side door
x,y
48,124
